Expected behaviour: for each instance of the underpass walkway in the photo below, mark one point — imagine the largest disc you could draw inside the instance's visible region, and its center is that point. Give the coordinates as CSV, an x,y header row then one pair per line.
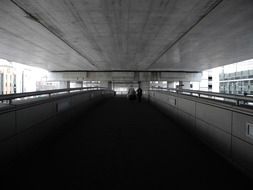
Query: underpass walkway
x,y
124,144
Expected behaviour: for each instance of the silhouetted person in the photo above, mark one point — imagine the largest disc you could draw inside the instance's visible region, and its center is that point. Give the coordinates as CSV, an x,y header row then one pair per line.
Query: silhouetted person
x,y
131,93
139,94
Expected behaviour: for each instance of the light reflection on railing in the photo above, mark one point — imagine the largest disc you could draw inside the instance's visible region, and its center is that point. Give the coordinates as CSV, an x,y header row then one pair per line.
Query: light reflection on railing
x,y
42,94
121,92
227,98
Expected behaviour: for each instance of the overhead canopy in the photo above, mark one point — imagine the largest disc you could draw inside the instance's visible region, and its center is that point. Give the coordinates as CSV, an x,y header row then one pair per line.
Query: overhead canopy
x,y
126,35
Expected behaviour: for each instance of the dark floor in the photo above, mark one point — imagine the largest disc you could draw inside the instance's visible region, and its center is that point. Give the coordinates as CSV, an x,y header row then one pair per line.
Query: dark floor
x,y
125,145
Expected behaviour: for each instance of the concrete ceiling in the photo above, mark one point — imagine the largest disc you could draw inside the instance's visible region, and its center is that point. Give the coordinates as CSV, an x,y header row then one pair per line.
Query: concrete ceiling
x,y
169,35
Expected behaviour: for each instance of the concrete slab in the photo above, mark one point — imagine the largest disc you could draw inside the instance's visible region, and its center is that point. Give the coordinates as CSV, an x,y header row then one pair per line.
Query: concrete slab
x,y
126,35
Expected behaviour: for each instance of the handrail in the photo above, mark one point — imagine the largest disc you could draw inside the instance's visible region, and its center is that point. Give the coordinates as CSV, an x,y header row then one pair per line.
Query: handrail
x,y
10,97
237,98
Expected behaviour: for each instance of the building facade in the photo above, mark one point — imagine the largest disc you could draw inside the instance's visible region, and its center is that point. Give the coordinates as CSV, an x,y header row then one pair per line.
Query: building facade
x,y
240,83
7,80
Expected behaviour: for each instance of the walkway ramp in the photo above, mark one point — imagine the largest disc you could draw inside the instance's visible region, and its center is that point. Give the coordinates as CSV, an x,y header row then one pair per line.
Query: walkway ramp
x,y
122,144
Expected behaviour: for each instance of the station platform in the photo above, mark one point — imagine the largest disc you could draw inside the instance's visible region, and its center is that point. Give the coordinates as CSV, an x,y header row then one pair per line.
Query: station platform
x,y
122,144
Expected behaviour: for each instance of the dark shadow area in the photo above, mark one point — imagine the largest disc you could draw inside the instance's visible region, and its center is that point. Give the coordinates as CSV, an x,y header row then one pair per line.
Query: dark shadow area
x,y
124,144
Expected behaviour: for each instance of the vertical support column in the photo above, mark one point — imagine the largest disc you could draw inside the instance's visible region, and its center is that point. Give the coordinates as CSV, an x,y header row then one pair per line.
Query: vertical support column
x,y
23,83
180,86
68,84
187,85
144,85
104,84
79,84
184,85
170,84
63,84
110,85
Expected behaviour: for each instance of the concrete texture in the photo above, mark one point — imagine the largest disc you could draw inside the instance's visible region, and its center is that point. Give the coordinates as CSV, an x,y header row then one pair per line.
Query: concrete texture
x,y
239,127
222,127
65,35
218,117
124,76
7,127
31,116
130,145
32,122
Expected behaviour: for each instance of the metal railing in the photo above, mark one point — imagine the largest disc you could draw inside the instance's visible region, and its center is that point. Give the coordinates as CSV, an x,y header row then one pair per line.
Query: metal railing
x,y
10,97
227,98
121,92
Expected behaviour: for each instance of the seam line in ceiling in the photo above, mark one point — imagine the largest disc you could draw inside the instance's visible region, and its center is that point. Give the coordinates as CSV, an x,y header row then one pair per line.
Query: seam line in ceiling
x,y
56,35
185,33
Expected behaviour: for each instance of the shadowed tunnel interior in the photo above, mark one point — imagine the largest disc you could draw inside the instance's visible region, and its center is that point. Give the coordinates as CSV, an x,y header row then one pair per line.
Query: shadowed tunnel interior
x,y
123,144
